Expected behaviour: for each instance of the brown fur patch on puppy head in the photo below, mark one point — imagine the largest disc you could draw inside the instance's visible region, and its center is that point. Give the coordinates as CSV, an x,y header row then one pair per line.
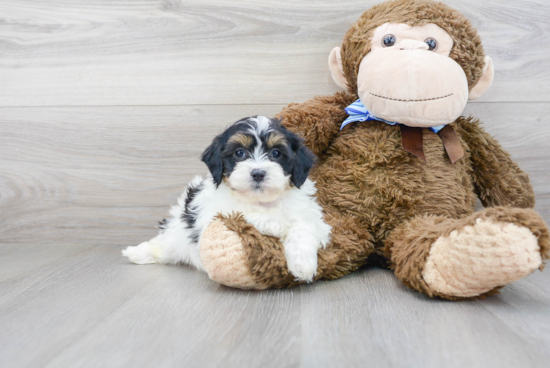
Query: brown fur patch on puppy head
x,y
467,49
244,140
276,139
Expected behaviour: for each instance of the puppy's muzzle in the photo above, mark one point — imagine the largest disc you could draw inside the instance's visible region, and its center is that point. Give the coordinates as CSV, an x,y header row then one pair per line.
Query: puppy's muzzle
x,y
257,175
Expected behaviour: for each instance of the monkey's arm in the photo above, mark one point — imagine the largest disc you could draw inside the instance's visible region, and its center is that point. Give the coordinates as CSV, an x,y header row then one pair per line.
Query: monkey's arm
x,y
498,180
317,120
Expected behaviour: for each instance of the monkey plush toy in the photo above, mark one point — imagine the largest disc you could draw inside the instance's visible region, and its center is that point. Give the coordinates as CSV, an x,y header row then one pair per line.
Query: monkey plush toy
x,y
399,167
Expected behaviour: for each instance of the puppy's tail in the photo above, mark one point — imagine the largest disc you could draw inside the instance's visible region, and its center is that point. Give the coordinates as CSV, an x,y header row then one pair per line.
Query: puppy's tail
x,y
145,253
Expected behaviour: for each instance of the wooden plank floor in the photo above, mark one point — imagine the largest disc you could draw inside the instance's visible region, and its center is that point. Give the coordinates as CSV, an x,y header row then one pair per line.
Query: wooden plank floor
x,y
78,305
105,107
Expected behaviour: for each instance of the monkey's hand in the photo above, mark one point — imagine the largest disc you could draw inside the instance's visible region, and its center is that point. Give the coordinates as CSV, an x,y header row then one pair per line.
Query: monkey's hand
x,y
498,180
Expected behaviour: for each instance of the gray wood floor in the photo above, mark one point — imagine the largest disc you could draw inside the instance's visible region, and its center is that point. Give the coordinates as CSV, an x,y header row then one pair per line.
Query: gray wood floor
x,y
77,305
105,107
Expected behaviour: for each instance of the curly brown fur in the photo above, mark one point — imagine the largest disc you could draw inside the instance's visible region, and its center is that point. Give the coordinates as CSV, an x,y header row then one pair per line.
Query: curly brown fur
x,y
467,49
380,199
366,173
349,250
408,248
265,254
498,180
409,245
318,120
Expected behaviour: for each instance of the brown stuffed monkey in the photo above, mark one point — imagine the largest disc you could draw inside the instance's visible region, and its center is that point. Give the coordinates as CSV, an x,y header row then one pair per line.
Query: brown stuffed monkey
x,y
399,182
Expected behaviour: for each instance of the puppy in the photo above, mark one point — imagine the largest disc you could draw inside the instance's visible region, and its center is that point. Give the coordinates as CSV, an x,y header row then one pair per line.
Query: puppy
x,y
257,168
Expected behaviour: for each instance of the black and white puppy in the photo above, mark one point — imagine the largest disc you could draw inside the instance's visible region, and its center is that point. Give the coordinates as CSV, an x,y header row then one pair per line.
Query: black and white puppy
x,y
257,168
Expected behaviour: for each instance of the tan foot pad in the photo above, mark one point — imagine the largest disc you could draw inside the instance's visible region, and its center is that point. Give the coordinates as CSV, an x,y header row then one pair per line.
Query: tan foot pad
x,y
481,257
224,257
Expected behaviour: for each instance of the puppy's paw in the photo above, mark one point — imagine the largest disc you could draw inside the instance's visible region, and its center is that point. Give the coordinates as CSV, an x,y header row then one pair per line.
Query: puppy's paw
x,y
303,266
141,254
268,225
273,228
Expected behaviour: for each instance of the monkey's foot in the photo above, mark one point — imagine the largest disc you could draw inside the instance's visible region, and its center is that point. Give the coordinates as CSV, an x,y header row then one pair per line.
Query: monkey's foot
x,y
482,256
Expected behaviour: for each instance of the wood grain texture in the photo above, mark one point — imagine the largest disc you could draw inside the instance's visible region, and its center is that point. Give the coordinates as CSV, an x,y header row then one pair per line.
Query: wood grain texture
x,y
376,321
87,307
101,175
97,310
108,174
105,107
152,52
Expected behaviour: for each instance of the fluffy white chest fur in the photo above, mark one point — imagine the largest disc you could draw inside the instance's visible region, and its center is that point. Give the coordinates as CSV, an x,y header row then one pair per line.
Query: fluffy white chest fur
x,y
266,184
294,217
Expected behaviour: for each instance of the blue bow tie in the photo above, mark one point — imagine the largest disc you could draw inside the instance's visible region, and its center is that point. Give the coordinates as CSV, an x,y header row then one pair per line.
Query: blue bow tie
x,y
358,112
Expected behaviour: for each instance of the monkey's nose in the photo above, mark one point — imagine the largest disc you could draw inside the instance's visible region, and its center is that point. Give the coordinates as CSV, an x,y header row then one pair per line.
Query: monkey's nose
x,y
258,175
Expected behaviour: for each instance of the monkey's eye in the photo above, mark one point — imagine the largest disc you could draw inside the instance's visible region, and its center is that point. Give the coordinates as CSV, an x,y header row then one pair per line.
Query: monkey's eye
x,y
275,153
432,43
388,40
239,153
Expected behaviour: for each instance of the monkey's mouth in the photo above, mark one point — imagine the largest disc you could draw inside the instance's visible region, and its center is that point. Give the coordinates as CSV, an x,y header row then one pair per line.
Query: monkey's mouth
x,y
401,100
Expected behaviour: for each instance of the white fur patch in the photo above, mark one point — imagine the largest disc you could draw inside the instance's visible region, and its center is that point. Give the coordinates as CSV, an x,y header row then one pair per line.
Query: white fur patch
x,y
273,206
294,216
268,190
263,124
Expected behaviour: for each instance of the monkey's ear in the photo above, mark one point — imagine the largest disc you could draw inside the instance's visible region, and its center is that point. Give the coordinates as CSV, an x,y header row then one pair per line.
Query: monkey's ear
x,y
485,81
336,69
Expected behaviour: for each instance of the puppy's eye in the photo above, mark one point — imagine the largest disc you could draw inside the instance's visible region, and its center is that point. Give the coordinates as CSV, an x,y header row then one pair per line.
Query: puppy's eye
x,y
275,153
432,43
239,153
389,40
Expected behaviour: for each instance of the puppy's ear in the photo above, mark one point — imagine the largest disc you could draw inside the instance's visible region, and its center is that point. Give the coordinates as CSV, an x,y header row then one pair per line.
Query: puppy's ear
x,y
305,159
212,157
277,122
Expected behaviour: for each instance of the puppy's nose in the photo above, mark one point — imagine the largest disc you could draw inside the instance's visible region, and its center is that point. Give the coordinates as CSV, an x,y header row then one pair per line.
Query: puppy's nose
x,y
258,175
